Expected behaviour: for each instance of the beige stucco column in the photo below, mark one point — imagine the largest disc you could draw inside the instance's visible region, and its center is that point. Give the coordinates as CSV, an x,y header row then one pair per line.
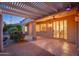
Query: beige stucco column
x,y
1,33
23,28
46,27
34,30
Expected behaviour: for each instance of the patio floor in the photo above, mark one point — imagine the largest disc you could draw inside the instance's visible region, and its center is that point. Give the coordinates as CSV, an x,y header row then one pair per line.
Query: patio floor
x,y
57,47
41,47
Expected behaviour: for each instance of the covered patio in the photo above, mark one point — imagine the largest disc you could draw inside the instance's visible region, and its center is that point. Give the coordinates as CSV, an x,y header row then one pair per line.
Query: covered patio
x,y
39,12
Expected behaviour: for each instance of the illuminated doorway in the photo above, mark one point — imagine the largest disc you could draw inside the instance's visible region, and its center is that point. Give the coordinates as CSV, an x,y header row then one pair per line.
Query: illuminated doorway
x,y
60,29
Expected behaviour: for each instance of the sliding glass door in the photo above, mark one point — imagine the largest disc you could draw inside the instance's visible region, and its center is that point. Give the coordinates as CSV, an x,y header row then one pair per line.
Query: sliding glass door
x,y
60,29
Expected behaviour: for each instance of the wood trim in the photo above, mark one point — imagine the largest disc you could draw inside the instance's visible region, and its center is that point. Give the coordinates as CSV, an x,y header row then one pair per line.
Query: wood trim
x,y
54,16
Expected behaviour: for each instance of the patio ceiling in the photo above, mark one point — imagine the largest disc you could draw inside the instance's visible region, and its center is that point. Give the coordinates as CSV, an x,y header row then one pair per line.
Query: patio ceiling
x,y
32,9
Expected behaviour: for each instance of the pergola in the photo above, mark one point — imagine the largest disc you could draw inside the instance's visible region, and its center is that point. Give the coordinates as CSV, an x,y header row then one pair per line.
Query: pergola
x,y
32,10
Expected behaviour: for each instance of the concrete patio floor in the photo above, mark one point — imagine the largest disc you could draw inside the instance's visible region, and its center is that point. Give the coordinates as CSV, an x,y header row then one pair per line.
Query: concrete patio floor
x,y
57,47
41,47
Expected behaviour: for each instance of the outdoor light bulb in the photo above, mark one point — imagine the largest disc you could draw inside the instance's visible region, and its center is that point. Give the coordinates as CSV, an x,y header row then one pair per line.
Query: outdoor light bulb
x,y
68,8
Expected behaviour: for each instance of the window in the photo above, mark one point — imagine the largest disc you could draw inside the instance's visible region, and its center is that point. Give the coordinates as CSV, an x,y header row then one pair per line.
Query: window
x,y
40,27
49,25
43,27
25,28
54,29
60,29
37,28
57,29
65,29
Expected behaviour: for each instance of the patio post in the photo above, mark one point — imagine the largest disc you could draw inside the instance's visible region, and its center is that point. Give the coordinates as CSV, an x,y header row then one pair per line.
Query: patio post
x,y
1,33
46,27
23,29
33,30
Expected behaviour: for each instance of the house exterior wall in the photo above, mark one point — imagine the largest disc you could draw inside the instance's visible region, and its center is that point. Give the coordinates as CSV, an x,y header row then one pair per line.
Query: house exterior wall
x,y
77,31
71,27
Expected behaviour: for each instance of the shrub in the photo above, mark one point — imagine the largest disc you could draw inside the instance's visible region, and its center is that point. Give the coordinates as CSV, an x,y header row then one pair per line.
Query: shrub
x,y
16,36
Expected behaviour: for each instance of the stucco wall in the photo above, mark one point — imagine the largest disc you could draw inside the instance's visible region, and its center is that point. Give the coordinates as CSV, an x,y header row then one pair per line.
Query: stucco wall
x,y
30,28
71,31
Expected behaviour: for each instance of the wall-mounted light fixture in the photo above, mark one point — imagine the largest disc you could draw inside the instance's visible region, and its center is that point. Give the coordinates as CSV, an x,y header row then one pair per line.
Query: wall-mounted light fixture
x,y
68,8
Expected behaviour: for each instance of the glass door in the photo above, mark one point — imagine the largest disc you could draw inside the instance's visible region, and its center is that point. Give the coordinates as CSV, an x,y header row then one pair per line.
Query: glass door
x,y
60,29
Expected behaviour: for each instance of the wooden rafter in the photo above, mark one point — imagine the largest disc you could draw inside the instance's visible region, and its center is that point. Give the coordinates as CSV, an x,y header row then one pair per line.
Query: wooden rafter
x,y
31,9
20,10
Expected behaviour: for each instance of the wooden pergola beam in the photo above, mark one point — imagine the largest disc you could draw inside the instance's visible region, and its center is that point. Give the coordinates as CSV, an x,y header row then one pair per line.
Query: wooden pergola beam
x,y
18,9
34,9
31,9
38,6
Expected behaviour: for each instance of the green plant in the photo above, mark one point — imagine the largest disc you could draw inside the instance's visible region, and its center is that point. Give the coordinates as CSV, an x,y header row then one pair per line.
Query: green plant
x,y
16,36
19,27
14,31
8,27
